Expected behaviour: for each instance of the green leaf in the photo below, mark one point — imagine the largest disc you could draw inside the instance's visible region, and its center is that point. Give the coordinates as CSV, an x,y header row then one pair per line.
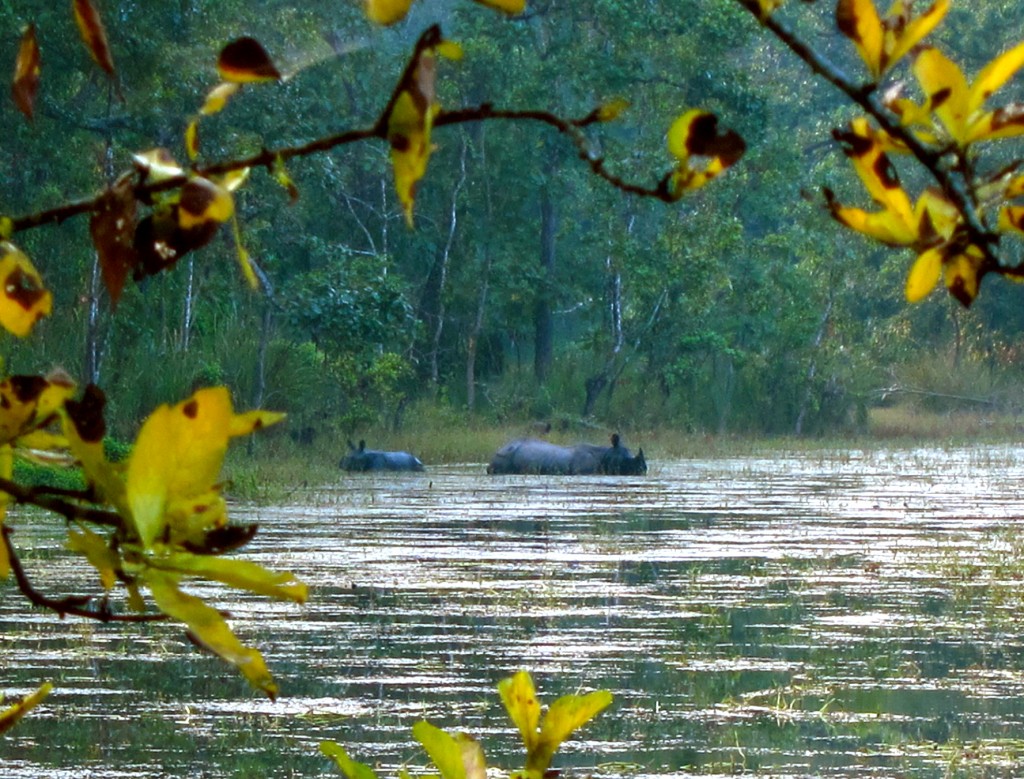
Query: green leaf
x,y
456,757
569,713
348,766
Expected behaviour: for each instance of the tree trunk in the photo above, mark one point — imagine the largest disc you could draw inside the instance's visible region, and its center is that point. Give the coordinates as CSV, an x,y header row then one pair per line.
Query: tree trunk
x,y
93,356
91,368
188,309
260,379
597,383
473,341
543,318
812,370
435,346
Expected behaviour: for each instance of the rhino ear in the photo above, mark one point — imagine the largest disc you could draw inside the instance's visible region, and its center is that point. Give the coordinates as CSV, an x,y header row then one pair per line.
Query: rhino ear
x,y
351,445
362,444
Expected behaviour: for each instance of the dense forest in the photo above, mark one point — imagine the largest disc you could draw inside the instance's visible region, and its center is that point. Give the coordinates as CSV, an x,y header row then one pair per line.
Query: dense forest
x,y
528,288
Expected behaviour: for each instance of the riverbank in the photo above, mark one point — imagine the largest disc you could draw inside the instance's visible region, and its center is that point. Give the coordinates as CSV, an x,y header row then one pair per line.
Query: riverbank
x,y
273,467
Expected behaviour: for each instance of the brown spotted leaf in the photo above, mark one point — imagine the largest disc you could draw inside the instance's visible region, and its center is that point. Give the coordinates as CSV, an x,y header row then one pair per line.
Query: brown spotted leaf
x,y
410,116
94,36
26,73
23,298
113,233
245,60
704,150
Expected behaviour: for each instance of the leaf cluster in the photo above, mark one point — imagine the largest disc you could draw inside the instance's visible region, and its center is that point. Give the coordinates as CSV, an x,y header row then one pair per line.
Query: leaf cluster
x,y
460,756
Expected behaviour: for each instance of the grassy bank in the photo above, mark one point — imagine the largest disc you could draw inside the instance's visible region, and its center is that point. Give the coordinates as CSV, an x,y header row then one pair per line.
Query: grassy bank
x,y
273,467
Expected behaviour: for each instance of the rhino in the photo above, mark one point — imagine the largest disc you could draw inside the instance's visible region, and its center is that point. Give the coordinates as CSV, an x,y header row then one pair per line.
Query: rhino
x,y
359,458
531,455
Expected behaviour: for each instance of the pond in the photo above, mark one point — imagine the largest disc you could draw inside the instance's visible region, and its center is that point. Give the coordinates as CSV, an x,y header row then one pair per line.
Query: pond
x,y
841,614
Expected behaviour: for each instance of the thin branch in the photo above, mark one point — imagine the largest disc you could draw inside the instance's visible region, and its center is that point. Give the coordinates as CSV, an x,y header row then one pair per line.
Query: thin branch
x,y
269,158
75,605
567,127
43,498
866,96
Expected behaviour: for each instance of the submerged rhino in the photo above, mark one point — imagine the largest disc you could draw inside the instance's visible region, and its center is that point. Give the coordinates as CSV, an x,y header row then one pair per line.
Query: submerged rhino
x,y
359,458
530,455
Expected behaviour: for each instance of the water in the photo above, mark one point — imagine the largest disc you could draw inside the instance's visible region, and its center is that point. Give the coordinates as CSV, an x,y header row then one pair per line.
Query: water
x,y
850,615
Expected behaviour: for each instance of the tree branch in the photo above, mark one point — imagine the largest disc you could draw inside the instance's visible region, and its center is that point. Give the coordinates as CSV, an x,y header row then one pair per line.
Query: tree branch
x,y
75,605
866,96
38,496
268,158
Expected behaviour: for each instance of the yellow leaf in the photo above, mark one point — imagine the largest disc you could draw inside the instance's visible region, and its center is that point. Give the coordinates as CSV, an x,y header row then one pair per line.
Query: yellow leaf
x,y
508,6
520,698
19,405
176,462
85,428
924,275
387,11
994,75
209,629
410,117
611,110
26,73
242,574
93,34
767,7
882,43
97,551
234,179
704,151
245,261
472,756
962,275
157,165
945,86
876,171
218,97
349,767
1011,219
192,139
884,226
24,299
251,421
280,174
178,454
10,716
903,31
449,50
202,201
409,136
859,21
563,718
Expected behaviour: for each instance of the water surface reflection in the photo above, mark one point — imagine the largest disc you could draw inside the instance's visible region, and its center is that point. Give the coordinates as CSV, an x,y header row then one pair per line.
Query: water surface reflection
x,y
845,616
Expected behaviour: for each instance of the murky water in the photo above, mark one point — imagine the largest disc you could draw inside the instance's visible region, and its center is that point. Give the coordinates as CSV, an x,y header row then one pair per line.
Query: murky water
x,y
843,616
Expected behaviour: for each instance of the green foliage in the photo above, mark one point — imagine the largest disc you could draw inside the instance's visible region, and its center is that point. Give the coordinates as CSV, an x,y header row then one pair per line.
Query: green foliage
x,y
349,307
460,756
